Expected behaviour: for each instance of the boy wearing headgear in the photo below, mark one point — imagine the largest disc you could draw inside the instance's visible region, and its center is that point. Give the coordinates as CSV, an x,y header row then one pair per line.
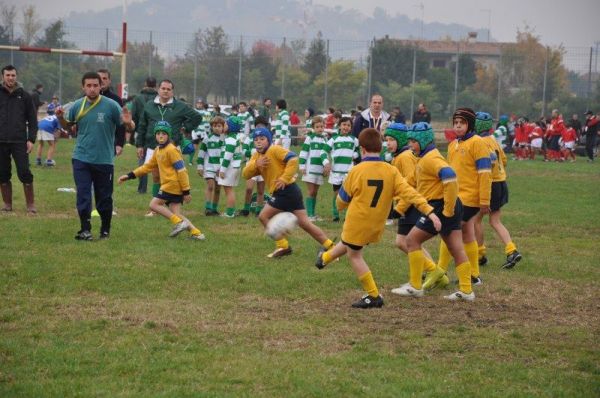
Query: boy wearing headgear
x,y
174,181
278,166
47,127
231,161
436,181
499,195
396,136
469,156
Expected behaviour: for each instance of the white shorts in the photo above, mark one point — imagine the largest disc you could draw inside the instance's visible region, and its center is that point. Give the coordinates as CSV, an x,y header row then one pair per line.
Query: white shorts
x,y
149,153
313,178
286,142
569,145
43,135
257,178
232,178
208,174
337,178
536,143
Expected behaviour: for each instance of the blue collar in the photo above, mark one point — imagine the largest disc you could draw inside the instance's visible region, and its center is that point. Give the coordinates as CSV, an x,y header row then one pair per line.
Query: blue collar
x,y
371,159
466,136
427,149
485,134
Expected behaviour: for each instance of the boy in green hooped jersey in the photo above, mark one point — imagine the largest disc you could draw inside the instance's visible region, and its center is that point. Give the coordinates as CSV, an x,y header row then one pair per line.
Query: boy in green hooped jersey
x,y
314,164
231,161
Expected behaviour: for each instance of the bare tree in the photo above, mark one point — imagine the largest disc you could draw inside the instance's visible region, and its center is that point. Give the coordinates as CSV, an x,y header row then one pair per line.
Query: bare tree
x,y
31,24
8,13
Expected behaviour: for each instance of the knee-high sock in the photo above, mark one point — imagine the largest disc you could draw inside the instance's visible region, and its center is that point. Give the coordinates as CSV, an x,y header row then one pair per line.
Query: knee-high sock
x,y
416,262
310,206
510,247
481,251
471,251
429,265
445,256
155,189
336,213
368,284
463,271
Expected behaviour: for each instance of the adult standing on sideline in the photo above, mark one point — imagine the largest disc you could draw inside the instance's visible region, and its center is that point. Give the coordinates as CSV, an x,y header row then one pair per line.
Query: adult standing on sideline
x,y
421,114
147,93
372,117
36,96
96,118
18,129
165,107
592,126
105,90
265,110
576,124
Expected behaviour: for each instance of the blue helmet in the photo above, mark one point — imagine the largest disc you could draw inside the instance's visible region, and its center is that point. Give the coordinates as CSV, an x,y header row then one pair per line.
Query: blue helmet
x,y
483,122
422,133
263,132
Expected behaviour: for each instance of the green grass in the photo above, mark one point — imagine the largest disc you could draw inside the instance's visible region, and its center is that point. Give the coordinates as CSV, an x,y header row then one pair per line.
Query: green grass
x,y
142,315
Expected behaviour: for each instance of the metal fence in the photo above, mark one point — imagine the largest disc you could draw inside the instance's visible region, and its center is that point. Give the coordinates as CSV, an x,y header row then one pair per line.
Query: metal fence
x,y
442,74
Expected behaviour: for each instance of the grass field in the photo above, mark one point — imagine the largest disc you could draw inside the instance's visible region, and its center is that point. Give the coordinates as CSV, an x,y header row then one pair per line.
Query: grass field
x,y
143,315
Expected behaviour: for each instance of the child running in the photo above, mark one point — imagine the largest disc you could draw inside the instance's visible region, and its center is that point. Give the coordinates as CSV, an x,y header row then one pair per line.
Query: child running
x,y
314,164
175,183
368,192
278,166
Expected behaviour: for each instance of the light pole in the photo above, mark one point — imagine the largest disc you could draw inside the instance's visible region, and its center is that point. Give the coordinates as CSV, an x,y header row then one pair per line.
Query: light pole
x,y
489,13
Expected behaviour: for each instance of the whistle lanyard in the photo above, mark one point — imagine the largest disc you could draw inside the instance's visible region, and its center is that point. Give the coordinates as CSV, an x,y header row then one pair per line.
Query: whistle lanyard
x,y
82,112
162,110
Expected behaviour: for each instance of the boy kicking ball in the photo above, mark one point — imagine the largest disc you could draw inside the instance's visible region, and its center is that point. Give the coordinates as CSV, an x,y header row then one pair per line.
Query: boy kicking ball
x,y
278,167
175,183
368,192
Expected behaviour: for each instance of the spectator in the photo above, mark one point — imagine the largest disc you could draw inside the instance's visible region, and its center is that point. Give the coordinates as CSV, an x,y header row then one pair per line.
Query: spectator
x,y
592,125
265,111
36,96
147,93
398,116
372,117
421,114
294,118
575,123
330,119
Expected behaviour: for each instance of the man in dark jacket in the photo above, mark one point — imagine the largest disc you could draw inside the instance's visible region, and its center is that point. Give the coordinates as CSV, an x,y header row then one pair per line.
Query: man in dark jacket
x,y
36,96
18,129
592,126
106,91
372,117
147,93
421,114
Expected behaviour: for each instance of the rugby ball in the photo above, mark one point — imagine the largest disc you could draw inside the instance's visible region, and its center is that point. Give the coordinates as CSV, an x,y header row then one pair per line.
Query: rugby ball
x,y
280,225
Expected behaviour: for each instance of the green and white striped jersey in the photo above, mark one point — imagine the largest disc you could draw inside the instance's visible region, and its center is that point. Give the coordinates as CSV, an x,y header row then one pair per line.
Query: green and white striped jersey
x,y
313,155
209,155
282,128
247,121
343,149
231,152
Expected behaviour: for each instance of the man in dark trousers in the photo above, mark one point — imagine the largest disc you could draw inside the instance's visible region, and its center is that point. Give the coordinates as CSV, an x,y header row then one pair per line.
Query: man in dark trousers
x,y
592,125
372,117
106,91
36,96
18,129
147,93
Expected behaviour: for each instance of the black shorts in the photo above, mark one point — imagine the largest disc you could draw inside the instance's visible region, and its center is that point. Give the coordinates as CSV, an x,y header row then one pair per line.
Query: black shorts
x,y
196,141
336,187
449,224
169,197
287,199
469,212
499,195
351,246
409,220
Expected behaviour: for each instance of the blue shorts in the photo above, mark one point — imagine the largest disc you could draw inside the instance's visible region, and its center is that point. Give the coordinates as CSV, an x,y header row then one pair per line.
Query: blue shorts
x,y
409,220
169,197
287,199
499,195
449,224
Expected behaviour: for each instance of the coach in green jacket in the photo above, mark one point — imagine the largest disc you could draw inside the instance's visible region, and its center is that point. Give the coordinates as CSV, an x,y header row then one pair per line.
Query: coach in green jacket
x,y
165,107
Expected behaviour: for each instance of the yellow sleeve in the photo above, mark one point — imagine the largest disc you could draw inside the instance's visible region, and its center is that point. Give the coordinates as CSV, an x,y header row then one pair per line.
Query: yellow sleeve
x,y
146,167
502,156
403,191
289,172
450,196
341,204
182,174
346,190
402,206
250,170
485,188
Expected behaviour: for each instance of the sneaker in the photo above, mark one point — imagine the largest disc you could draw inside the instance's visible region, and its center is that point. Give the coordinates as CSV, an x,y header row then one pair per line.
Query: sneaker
x,y
483,261
211,212
335,219
442,283
389,221
319,263
198,237
369,302
179,228
228,215
512,259
407,290
244,212
476,281
104,235
83,235
280,252
150,214
50,163
38,162
458,295
433,278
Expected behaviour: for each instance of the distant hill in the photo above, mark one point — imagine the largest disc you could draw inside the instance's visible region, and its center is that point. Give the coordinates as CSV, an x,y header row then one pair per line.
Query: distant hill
x,y
265,19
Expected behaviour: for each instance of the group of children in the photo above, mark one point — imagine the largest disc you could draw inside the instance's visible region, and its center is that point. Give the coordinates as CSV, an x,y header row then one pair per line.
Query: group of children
x,y
431,194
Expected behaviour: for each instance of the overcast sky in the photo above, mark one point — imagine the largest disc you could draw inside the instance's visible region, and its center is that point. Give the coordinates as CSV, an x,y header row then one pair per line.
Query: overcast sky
x,y
570,22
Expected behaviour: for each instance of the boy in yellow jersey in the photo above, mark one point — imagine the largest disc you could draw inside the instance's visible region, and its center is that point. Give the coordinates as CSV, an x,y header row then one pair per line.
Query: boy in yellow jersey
x,y
469,156
499,196
368,192
396,136
436,180
278,167
175,183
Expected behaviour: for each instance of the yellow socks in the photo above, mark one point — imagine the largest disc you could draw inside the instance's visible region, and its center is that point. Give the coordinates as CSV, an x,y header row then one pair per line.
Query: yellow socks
x,y
175,219
481,251
471,252
510,247
195,231
429,265
463,271
328,244
282,244
327,258
416,261
368,284
445,256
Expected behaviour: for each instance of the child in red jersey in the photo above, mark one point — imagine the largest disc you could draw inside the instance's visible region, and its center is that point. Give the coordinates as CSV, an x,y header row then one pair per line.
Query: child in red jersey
x,y
536,138
569,139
